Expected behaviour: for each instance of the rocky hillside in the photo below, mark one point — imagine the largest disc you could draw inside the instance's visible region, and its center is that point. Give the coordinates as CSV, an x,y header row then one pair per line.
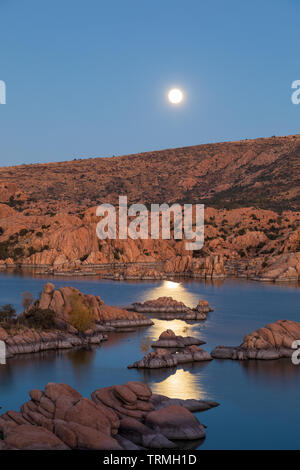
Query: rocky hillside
x,y
251,192
261,173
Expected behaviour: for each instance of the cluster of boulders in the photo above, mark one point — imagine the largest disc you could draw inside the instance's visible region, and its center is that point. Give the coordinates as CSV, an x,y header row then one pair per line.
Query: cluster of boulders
x,y
274,341
171,351
168,339
119,417
161,358
169,308
60,301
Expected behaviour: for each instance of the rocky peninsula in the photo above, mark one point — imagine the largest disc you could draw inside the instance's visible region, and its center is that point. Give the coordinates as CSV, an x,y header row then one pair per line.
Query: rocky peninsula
x,y
65,318
274,341
121,417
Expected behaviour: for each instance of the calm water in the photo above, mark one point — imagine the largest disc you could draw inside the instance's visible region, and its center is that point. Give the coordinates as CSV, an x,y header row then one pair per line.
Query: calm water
x,y
259,400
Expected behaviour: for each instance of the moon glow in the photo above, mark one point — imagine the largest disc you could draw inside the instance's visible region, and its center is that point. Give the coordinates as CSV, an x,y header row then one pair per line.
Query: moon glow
x,y
175,96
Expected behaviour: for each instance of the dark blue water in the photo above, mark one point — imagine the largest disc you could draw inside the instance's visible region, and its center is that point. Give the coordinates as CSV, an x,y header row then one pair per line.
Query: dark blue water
x,y
259,400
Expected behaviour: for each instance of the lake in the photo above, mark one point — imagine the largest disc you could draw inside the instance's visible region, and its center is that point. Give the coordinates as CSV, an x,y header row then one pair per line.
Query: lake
x,y
259,400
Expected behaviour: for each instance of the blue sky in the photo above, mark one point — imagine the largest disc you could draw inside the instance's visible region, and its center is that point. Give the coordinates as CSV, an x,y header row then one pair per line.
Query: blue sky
x,y
89,78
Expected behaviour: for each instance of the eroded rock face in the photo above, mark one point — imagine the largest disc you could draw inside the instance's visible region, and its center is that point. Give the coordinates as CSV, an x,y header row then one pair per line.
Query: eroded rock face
x,y
120,417
283,268
210,267
169,308
274,341
162,358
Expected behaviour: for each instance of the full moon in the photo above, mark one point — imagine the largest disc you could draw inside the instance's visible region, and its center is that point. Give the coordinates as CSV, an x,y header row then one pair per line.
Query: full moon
x,y
175,96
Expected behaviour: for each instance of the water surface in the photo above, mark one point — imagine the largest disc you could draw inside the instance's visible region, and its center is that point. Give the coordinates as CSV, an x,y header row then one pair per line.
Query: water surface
x,y
259,400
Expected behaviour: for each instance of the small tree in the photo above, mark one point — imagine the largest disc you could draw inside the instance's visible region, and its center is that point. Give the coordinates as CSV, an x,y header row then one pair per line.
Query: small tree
x,y
81,316
27,299
7,313
38,319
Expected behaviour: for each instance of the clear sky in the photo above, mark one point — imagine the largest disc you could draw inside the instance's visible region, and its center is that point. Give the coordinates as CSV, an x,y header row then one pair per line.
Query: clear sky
x,y
89,78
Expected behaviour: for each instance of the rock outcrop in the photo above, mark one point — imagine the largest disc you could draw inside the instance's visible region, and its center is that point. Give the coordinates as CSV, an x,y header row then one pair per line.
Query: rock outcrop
x,y
33,341
60,301
282,268
65,334
161,358
122,417
169,308
168,339
274,341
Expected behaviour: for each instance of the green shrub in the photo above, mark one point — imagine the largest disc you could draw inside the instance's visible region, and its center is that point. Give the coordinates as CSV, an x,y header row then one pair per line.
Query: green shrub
x,y
81,316
40,319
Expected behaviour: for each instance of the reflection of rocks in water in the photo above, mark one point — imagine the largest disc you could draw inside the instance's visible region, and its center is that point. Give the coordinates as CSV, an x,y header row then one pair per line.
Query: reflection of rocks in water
x,y
176,289
115,338
278,369
179,327
183,382
24,361
82,357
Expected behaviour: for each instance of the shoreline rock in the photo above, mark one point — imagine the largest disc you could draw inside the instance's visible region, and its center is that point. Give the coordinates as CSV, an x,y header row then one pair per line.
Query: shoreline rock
x,y
271,342
284,267
32,341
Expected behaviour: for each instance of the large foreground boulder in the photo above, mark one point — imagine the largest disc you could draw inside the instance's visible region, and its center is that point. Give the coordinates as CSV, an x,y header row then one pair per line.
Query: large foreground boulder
x,y
274,341
122,417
